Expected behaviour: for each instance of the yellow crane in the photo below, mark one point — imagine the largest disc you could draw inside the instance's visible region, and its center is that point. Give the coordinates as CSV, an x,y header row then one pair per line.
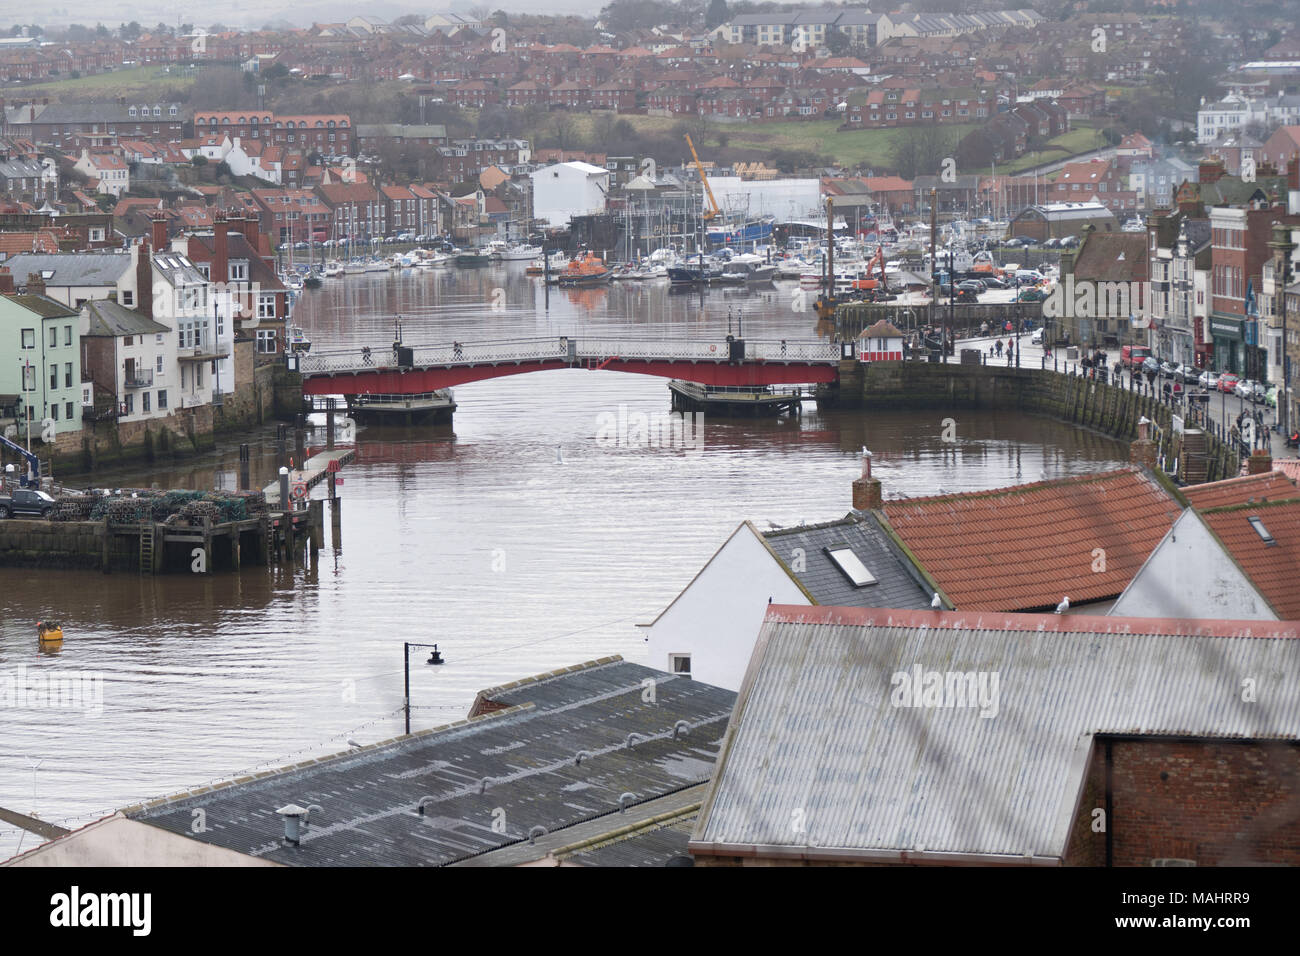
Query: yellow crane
x,y
714,212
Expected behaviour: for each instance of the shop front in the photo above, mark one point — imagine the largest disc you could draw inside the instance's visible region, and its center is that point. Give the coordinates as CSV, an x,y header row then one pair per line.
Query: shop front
x,y
1229,342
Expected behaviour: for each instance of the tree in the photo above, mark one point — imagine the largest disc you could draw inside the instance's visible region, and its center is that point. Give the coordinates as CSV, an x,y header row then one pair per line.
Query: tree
x,y
198,161
132,31
837,41
921,150
717,14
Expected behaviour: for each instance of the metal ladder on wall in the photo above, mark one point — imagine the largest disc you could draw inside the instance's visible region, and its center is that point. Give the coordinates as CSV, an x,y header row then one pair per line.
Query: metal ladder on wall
x,y
146,549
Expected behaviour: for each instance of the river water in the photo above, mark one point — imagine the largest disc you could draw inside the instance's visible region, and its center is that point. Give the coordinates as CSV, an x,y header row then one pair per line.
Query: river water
x,y
514,539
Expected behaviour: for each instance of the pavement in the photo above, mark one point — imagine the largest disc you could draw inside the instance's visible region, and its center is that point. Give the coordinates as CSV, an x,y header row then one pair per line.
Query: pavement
x,y
1222,407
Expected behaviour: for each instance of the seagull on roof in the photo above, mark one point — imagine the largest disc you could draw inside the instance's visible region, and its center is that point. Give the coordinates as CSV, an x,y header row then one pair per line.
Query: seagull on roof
x,y
936,602
1064,605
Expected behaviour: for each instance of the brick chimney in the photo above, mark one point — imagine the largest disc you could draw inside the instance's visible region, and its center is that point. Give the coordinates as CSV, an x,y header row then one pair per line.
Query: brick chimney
x,y
158,232
144,280
6,281
35,284
866,490
252,228
220,271
1260,462
1210,170
1142,452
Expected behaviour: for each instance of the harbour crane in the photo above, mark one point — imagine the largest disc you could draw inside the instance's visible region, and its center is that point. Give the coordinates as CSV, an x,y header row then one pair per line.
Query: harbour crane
x,y
713,212
32,476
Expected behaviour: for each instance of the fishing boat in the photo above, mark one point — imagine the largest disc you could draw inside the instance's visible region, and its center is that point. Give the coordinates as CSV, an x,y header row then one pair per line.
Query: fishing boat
x,y
473,257
502,251
587,269
538,266
311,281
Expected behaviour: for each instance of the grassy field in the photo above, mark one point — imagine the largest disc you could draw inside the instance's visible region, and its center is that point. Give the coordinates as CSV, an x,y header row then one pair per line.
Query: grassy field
x,y
1081,139
128,83
759,140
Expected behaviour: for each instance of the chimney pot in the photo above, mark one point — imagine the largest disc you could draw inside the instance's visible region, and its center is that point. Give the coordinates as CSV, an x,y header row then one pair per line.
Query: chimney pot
x,y
1260,462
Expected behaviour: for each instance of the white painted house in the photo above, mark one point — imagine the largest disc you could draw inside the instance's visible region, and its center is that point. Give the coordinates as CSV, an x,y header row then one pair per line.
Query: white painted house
x,y
1190,575
565,190
708,632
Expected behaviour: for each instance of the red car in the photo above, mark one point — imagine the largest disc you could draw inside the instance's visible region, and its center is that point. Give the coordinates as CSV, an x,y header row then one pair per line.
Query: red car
x,y
1228,381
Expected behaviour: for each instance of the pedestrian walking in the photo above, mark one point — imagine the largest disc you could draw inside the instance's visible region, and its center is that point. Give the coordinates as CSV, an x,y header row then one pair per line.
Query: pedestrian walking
x,y
998,346
456,350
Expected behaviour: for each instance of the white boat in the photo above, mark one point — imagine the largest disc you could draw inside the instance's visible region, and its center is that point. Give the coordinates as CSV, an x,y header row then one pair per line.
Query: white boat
x,y
377,265
333,269
354,267
501,250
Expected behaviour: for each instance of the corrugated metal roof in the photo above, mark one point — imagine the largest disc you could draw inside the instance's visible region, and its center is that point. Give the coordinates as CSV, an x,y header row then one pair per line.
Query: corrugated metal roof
x,y
528,754
1025,547
819,759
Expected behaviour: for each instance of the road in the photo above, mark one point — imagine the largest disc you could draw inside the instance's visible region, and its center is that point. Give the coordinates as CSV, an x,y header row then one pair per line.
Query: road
x,y
1223,407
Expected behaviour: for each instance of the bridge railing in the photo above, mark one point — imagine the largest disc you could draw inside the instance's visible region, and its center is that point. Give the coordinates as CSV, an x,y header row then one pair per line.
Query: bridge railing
x,y
557,347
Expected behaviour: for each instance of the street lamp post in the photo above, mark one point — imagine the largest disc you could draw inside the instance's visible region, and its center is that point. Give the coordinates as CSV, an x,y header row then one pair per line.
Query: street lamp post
x,y
434,658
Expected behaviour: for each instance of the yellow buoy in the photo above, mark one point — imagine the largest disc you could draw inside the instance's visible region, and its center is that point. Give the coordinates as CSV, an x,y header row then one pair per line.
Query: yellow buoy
x,y
49,633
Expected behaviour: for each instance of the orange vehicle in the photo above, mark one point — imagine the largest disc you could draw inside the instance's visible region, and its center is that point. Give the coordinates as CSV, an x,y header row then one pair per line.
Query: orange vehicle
x,y
587,269
870,282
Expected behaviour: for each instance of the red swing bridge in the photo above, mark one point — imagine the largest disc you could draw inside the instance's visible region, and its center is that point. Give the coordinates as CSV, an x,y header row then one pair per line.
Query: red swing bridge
x,y
413,381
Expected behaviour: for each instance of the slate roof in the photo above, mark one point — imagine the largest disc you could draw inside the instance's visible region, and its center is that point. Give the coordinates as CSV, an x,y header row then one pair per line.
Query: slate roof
x,y
803,553
1269,486
1273,567
107,318
42,305
1113,257
1025,547
72,269
817,736
553,751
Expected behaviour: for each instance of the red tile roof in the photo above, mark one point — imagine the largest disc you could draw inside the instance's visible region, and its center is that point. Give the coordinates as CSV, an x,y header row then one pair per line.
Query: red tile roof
x,y
1272,567
1026,547
1270,486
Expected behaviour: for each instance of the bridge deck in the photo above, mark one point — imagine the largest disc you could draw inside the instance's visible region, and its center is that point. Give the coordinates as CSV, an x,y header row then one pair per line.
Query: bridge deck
x,y
426,368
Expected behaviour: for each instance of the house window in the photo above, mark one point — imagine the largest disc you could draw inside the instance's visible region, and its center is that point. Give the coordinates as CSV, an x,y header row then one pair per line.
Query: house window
x,y
848,562
144,402
54,412
128,298
238,270
67,409
54,337
679,664
29,378
129,403
266,306
162,399
67,375
54,376
266,341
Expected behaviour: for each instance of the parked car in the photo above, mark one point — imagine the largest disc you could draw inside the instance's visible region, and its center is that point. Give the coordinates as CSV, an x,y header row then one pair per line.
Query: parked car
x,y
1208,380
993,282
974,285
1069,242
1228,381
1150,365
1260,393
1171,370
1244,388
25,501
1191,374
967,295
1037,337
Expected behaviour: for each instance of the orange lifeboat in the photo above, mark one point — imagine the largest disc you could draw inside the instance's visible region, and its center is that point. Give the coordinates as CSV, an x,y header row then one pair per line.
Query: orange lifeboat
x,y
586,269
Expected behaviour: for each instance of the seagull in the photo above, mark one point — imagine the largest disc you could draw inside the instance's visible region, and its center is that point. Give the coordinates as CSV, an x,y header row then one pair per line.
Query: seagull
x,y
559,455
935,602
1064,605
352,743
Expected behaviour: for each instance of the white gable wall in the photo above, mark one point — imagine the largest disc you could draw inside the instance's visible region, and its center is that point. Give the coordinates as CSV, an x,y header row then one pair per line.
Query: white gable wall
x,y
1189,575
717,618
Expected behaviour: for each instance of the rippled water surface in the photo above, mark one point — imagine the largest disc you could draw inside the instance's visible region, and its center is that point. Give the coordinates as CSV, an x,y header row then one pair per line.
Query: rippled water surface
x,y
512,539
